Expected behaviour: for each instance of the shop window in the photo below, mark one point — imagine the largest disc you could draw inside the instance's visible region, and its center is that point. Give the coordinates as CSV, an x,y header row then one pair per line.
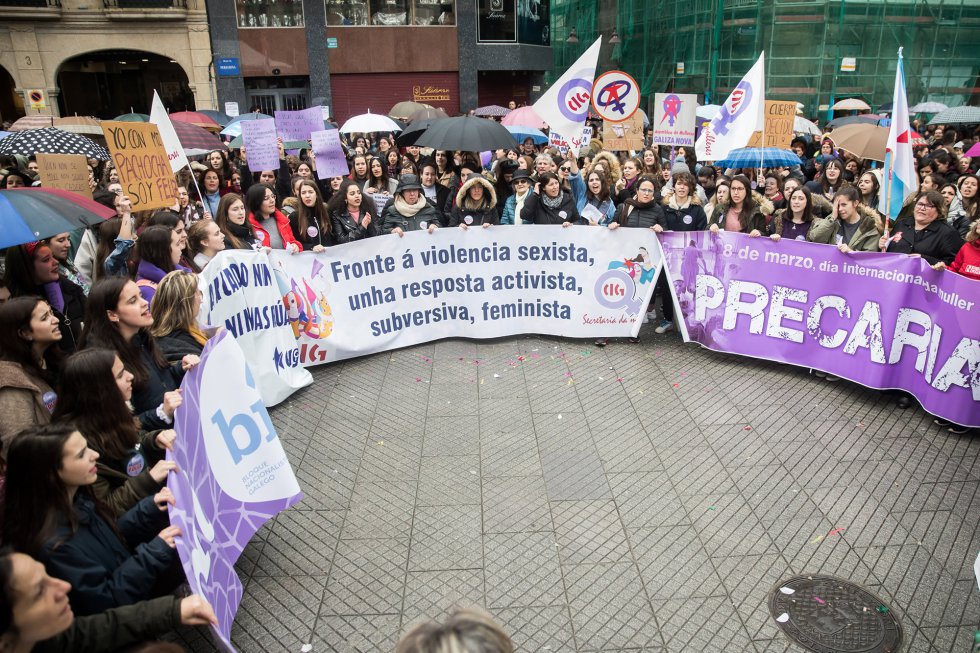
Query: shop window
x,y
390,12
270,13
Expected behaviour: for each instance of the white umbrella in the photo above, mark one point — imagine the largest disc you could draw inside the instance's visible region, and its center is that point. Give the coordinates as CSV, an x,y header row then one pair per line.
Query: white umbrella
x,y
851,104
803,126
928,107
370,122
708,111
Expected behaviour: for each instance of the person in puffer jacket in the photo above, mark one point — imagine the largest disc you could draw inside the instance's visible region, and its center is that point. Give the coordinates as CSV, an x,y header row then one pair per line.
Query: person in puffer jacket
x,y
476,204
643,211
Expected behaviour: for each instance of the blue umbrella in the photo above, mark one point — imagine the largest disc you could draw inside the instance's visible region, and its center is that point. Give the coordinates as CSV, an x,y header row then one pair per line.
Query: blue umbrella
x,y
234,127
756,157
520,133
30,214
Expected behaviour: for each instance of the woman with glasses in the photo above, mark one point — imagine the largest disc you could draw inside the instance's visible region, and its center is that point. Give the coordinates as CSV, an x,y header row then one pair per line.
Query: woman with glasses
x,y
831,179
521,183
926,233
269,224
744,212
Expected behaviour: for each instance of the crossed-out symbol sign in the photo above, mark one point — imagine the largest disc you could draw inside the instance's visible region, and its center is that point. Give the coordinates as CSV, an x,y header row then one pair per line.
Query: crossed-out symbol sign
x,y
615,96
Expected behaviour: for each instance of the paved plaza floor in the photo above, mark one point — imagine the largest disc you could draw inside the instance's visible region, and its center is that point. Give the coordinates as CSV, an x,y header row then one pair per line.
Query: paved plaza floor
x,y
642,497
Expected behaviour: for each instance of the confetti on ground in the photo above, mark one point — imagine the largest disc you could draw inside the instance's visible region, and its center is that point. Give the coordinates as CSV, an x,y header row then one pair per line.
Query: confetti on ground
x,y
861,425
619,379
496,376
306,648
381,443
568,375
601,379
787,590
535,356
677,385
783,618
819,600
426,359
836,531
559,416
570,382
711,507
477,362
818,538
882,609
747,428
520,358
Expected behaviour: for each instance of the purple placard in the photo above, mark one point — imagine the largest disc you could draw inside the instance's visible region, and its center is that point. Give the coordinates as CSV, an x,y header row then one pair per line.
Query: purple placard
x,y
234,475
298,125
886,321
261,144
330,159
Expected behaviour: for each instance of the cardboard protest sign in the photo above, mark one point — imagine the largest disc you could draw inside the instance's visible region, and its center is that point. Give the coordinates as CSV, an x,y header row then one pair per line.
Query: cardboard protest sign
x,y
779,125
261,145
623,136
142,163
68,172
330,159
298,125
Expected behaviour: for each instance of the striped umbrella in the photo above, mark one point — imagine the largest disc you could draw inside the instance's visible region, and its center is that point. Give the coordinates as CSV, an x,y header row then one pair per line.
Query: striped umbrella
x,y
195,118
195,140
52,141
33,213
755,157
80,125
491,111
31,122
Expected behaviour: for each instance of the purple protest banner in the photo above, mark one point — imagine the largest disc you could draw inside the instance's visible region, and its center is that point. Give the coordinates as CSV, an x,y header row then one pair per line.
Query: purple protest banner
x,y
261,146
330,159
886,321
298,125
234,475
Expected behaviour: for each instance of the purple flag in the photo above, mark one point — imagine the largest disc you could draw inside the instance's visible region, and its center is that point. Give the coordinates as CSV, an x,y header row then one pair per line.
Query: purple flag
x,y
330,159
234,475
881,320
261,146
298,125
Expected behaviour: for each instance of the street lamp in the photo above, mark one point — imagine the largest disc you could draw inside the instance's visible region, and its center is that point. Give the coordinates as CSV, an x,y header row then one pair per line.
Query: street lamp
x,y
572,37
614,39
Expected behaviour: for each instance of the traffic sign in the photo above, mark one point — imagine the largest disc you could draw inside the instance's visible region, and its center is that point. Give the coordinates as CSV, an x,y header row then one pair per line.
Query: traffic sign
x,y
36,97
615,96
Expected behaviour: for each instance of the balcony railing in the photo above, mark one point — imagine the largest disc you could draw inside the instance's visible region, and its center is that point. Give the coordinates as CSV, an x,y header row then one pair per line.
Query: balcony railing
x,y
144,4
30,9
36,4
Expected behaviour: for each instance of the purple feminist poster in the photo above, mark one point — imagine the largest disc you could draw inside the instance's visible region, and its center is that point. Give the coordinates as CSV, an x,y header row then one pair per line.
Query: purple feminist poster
x,y
298,125
261,145
330,159
234,475
881,320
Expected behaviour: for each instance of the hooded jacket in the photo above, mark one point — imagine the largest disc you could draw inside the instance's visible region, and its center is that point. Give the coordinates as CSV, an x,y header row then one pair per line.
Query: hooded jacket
x,y
865,239
104,571
778,218
487,214
24,401
688,218
759,220
614,171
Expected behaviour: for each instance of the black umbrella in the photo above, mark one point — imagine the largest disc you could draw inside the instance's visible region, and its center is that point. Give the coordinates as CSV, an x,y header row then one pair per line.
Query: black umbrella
x,y
411,134
428,113
467,133
52,141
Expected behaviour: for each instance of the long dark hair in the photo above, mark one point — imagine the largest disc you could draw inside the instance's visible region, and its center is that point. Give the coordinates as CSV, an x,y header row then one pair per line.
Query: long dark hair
x,y
19,270
317,216
824,182
108,232
748,204
872,200
154,247
36,499
7,597
15,318
254,198
223,222
338,203
353,175
381,183
603,193
89,398
101,332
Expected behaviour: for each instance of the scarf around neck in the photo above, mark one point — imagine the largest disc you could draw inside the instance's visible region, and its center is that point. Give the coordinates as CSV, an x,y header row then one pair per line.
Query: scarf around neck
x,y
409,210
552,202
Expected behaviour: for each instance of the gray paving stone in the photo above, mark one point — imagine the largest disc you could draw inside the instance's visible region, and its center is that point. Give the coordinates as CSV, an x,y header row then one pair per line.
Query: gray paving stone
x,y
589,531
367,577
522,569
609,608
514,504
446,537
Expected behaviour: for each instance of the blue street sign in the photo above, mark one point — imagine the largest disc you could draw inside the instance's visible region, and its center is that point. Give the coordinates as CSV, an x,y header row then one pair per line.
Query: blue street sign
x,y
228,67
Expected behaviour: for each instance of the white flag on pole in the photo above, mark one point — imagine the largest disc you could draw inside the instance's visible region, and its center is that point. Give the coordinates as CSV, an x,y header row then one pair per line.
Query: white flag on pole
x,y
565,105
159,117
742,114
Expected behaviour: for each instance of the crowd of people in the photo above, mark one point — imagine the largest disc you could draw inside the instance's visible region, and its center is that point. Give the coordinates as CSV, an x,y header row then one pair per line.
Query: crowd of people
x,y
99,326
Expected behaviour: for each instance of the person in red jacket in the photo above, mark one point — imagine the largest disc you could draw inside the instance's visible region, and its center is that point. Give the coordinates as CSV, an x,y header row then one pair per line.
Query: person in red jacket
x,y
270,224
967,261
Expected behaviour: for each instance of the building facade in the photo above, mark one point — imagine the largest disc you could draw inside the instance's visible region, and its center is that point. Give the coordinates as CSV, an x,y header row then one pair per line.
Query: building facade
x,y
817,51
355,56
102,57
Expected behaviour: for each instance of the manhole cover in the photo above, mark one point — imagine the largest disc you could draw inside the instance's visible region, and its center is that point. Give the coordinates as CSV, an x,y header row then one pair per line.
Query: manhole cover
x,y
831,615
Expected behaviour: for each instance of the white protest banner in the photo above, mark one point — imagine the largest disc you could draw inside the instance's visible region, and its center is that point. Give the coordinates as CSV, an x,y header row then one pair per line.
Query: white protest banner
x,y
261,146
565,106
380,201
388,292
330,158
674,119
740,116
576,144
160,118
240,283
231,109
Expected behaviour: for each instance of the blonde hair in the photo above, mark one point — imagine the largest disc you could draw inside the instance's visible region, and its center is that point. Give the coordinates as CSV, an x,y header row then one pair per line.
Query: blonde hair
x,y
173,304
465,631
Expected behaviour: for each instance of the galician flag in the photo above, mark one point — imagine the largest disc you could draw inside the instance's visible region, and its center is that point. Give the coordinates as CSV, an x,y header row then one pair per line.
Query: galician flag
x,y
175,151
900,179
565,105
742,114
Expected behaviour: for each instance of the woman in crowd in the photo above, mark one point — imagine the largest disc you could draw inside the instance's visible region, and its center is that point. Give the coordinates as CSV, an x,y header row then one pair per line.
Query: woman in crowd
x,y
626,186
31,269
505,173
465,631
409,211
233,221
597,196
189,212
167,218
158,253
352,215
119,319
304,170
869,187
476,204
218,161
392,161
178,302
640,212
682,212
967,261
35,616
851,226
795,221
378,180
310,222
926,233
359,171
774,191
521,183
446,169
968,186
831,179
651,162
29,365
955,215
205,240
745,211
93,395
271,227
722,196
549,204
436,194
60,248
50,513
85,257
211,189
